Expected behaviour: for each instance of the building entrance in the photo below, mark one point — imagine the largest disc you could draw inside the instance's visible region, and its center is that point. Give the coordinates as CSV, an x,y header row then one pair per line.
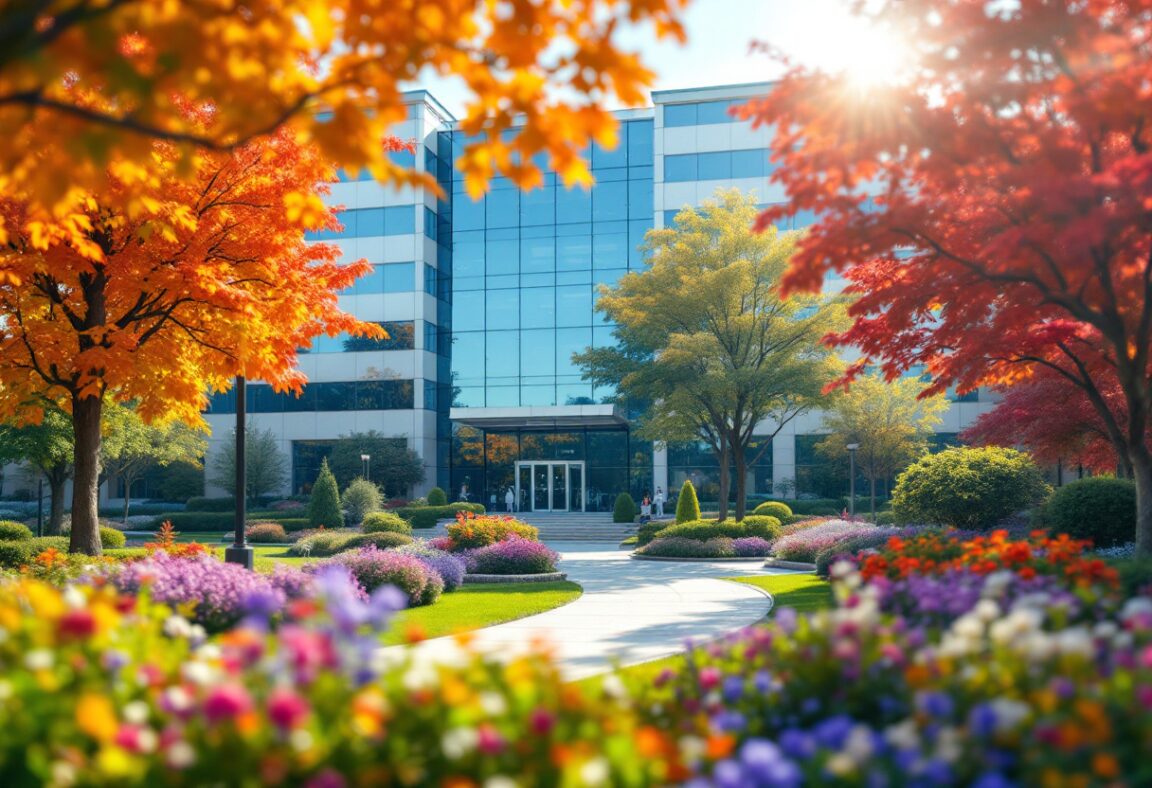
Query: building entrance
x,y
550,486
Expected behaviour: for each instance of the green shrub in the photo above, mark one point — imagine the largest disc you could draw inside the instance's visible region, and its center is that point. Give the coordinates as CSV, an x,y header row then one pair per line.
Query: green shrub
x,y
197,521
291,524
822,507
266,533
332,542
647,532
382,522
887,517
42,543
968,487
324,509
773,509
1135,577
624,510
201,504
687,505
719,547
15,553
702,530
428,516
111,538
12,531
383,540
361,498
437,497
1101,509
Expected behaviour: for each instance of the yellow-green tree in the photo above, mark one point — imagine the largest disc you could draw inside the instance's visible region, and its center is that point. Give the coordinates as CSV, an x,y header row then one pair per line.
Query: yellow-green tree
x,y
707,344
889,421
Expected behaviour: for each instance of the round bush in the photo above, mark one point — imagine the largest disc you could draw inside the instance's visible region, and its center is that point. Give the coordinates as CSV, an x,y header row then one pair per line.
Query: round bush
x,y
266,533
361,498
15,553
469,532
12,531
1100,509
323,543
450,567
112,539
379,522
624,510
513,556
437,497
702,530
968,487
780,511
384,540
687,505
374,568
42,543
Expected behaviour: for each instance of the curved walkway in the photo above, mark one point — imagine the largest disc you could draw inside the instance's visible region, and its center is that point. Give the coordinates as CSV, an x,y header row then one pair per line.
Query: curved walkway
x,y
630,612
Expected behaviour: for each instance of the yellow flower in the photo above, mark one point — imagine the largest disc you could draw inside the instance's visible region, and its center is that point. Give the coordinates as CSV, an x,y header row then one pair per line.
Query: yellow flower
x,y
96,717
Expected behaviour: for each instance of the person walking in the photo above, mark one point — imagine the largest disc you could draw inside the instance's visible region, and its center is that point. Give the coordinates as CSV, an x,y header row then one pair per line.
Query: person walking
x,y
510,500
659,501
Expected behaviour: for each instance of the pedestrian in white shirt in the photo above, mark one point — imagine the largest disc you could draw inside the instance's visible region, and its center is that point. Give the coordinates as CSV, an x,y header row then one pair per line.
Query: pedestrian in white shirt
x,y
659,501
510,500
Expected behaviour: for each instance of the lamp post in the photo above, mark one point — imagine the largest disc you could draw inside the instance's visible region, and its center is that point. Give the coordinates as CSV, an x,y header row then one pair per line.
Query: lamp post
x,y
852,447
240,552
366,458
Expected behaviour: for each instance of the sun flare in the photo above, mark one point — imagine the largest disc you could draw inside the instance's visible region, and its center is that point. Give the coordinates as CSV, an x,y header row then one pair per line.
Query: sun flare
x,y
868,54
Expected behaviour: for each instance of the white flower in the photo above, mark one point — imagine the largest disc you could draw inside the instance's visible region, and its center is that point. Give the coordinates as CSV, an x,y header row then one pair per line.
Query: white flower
x,y
63,773
613,686
1136,606
177,627
840,765
692,748
949,745
986,610
1075,640
458,742
177,699
1105,630
1038,646
180,755
1009,713
842,569
146,740
859,744
198,673
996,583
903,735
39,659
136,712
419,676
74,598
500,781
493,703
595,772
969,627
301,740
5,689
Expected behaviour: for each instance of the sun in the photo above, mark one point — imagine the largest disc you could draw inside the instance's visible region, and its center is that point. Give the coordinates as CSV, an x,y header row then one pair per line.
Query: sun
x,y
866,53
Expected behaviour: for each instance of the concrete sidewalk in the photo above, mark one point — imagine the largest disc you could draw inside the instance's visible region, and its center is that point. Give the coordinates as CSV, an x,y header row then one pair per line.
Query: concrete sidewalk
x,y
630,612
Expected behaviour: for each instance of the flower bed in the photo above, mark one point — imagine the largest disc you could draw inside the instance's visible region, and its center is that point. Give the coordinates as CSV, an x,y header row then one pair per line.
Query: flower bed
x,y
716,547
512,556
806,543
373,568
450,567
471,530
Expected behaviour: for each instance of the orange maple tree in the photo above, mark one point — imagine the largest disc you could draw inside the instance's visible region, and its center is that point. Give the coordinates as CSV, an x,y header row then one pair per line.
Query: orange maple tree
x,y
212,278
992,204
110,77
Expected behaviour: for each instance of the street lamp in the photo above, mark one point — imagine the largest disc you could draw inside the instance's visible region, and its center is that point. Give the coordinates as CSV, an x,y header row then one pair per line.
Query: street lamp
x,y
852,447
240,552
365,458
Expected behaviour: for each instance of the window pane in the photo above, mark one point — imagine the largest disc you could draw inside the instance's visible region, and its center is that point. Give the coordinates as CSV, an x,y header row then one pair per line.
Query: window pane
x,y
502,257
372,283
399,277
573,205
503,308
468,311
574,253
714,166
502,396
574,305
538,307
640,199
610,201
503,208
369,221
468,357
680,168
468,254
679,114
467,214
400,220
640,135
503,355
610,251
749,163
537,354
612,158
714,112
569,341
537,255
538,206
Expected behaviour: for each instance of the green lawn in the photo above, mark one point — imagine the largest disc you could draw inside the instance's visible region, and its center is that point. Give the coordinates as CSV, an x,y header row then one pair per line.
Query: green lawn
x,y
803,592
476,606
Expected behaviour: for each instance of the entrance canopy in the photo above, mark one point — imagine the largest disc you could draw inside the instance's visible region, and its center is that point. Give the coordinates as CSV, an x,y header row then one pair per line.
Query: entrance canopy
x,y
540,417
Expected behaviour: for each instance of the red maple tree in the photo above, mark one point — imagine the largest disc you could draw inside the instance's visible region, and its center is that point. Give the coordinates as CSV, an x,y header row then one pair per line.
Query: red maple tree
x,y
992,204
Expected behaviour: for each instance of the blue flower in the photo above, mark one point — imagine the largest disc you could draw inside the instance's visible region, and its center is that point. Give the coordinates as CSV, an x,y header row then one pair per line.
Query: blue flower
x,y
797,744
993,780
733,688
935,704
982,720
833,732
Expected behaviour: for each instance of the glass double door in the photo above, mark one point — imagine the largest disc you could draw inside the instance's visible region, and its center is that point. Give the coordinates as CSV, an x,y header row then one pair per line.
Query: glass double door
x,y
550,486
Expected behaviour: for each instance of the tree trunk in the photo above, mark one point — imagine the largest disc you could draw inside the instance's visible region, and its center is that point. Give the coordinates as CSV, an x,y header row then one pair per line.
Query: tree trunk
x,y
872,492
127,496
86,414
722,457
56,484
740,460
1142,473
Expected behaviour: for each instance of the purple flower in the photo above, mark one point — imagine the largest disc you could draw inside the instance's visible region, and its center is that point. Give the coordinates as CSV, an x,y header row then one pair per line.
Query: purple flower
x,y
751,546
512,556
373,568
805,545
450,567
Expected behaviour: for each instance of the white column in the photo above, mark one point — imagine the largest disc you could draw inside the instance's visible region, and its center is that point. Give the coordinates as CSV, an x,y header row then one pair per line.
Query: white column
x,y
660,468
784,460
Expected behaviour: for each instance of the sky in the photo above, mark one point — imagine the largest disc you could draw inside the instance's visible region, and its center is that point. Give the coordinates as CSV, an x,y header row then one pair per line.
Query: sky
x,y
816,32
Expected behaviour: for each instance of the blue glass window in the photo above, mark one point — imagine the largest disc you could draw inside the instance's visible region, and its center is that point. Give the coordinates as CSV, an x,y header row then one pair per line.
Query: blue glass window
x,y
403,158
537,353
537,255
538,307
398,220
679,114
538,207
399,277
503,354
640,136
617,157
467,214
573,205
430,228
569,341
610,201
714,166
573,305
333,396
468,254
468,357
574,253
503,208
501,257
610,251
640,199
503,307
708,112
680,168
468,310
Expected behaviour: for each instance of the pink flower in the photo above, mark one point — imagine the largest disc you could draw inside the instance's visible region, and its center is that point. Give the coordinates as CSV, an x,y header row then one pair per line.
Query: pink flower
x,y
709,677
541,721
489,741
227,702
286,709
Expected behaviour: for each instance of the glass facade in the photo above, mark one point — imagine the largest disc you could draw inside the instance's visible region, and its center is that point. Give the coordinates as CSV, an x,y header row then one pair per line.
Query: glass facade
x,y
484,462
819,476
327,396
694,460
525,266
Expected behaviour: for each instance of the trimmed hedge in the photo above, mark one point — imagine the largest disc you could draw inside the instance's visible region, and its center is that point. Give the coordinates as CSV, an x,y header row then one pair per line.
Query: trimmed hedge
x,y
42,543
428,516
624,510
437,497
773,509
266,533
386,522
111,538
1101,509
687,505
333,542
822,507
703,530
12,531
15,553
225,521
647,532
202,504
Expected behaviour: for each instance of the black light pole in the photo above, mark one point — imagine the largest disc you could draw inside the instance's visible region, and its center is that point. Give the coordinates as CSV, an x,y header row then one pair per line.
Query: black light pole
x,y
40,506
852,447
367,458
240,552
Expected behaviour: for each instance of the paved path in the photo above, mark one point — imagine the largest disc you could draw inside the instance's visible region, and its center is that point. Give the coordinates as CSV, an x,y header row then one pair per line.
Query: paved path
x,y
631,611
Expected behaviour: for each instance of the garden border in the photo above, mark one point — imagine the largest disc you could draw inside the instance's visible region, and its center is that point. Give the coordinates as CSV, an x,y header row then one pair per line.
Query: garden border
x,y
544,577
727,560
780,563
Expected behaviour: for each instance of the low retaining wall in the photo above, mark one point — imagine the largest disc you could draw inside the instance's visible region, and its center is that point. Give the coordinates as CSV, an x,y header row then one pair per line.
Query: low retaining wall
x,y
547,577
777,563
739,560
